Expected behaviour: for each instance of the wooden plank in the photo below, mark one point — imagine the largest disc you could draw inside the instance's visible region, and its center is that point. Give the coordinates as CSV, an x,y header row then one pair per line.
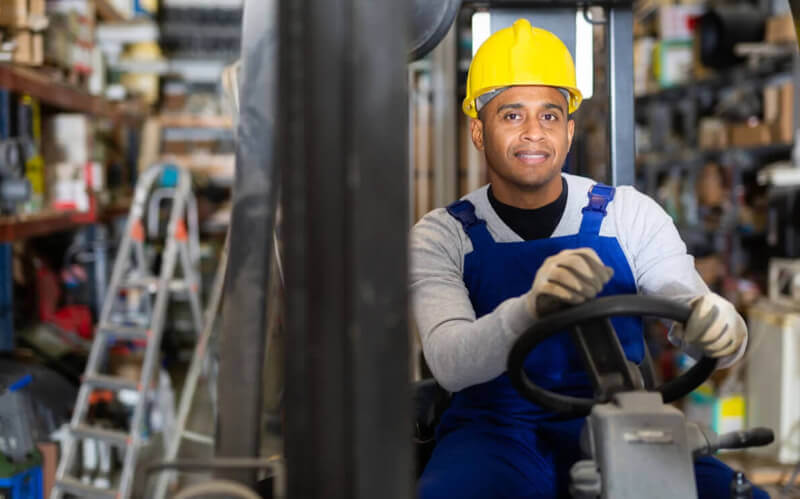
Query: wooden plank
x,y
107,12
15,227
65,97
213,165
195,121
31,225
56,94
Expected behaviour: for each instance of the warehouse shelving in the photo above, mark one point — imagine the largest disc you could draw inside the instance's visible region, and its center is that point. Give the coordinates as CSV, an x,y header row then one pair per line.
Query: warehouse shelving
x,y
766,69
31,225
61,95
218,167
697,158
21,226
195,121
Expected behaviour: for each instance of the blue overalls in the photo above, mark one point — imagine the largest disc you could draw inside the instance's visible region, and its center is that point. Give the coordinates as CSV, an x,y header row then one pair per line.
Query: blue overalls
x,y
492,442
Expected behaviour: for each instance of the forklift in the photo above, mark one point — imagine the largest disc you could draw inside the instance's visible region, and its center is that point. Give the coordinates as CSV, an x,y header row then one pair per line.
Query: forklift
x,y
323,121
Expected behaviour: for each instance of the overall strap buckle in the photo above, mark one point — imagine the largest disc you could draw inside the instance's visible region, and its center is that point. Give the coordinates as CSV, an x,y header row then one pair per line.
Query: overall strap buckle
x,y
599,197
464,212
595,211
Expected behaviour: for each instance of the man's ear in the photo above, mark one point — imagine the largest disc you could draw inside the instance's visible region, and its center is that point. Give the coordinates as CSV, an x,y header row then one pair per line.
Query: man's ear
x,y
570,131
476,127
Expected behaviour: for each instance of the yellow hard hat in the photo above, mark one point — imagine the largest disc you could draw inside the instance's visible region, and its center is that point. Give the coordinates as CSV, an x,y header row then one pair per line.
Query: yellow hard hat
x,y
521,55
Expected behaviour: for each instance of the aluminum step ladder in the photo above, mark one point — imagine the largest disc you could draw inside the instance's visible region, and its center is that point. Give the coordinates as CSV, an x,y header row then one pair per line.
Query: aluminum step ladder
x,y
132,248
199,358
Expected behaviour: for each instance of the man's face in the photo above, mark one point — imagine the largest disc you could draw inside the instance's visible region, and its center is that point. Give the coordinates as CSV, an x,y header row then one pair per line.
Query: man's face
x,y
525,133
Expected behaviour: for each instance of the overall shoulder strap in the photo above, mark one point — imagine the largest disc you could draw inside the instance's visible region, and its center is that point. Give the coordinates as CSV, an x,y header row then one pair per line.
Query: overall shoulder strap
x,y
464,212
594,212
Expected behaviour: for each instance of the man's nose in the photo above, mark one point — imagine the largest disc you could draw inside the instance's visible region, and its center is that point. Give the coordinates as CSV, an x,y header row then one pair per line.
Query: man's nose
x,y
532,131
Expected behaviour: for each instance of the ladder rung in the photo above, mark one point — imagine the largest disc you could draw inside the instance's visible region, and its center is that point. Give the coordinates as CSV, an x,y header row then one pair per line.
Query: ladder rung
x,y
140,282
110,382
175,285
198,437
124,332
113,437
80,489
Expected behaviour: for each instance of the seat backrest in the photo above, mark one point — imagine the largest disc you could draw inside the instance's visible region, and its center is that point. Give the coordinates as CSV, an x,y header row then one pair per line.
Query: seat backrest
x,y
430,401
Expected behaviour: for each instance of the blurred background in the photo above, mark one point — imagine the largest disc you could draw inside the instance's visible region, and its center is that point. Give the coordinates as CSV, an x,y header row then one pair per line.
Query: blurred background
x,y
95,93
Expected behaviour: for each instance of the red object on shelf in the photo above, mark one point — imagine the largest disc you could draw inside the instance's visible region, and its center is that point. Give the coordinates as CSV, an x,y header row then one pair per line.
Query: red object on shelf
x,y
64,206
74,318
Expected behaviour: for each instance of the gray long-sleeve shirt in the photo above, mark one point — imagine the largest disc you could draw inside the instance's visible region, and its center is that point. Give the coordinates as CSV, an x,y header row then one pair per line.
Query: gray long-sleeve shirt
x,y
461,350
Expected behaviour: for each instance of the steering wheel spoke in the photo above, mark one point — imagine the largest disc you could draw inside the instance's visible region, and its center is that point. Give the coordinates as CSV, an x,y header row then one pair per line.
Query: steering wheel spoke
x,y
604,359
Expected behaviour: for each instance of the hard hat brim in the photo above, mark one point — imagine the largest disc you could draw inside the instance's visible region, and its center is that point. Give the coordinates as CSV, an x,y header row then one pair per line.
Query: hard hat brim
x,y
470,108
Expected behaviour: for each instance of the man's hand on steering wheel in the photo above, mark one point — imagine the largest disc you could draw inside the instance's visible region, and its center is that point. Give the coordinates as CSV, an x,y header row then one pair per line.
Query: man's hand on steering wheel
x,y
570,277
715,328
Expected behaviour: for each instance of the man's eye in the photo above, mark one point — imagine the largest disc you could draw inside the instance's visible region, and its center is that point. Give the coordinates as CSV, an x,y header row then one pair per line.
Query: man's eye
x,y
511,116
549,117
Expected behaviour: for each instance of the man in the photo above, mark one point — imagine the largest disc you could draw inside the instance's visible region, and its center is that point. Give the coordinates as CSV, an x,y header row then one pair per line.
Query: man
x,y
487,267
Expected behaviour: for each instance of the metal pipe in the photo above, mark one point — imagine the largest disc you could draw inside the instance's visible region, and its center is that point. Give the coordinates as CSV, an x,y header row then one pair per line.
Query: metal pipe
x,y
445,120
620,87
344,117
254,204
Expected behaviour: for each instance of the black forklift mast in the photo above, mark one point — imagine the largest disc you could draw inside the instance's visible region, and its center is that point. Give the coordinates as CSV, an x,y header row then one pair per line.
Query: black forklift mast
x,y
323,114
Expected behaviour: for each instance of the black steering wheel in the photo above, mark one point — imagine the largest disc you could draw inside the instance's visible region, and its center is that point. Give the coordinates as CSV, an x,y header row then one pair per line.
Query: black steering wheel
x,y
596,314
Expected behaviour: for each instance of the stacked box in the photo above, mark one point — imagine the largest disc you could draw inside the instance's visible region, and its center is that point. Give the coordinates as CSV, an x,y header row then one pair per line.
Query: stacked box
x,y
750,135
66,150
23,22
70,38
22,14
25,47
779,109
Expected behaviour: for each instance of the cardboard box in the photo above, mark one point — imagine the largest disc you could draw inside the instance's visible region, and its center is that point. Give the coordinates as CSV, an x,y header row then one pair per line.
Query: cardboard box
x,y
780,29
745,135
176,147
784,131
710,186
28,47
779,110
19,13
13,12
713,134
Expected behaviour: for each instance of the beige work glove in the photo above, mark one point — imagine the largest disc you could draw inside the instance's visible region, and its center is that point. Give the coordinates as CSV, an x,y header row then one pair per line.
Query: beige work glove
x,y
714,328
570,277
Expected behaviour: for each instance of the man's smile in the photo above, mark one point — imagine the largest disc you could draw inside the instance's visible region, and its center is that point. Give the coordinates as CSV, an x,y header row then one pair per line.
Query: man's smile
x,y
532,157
